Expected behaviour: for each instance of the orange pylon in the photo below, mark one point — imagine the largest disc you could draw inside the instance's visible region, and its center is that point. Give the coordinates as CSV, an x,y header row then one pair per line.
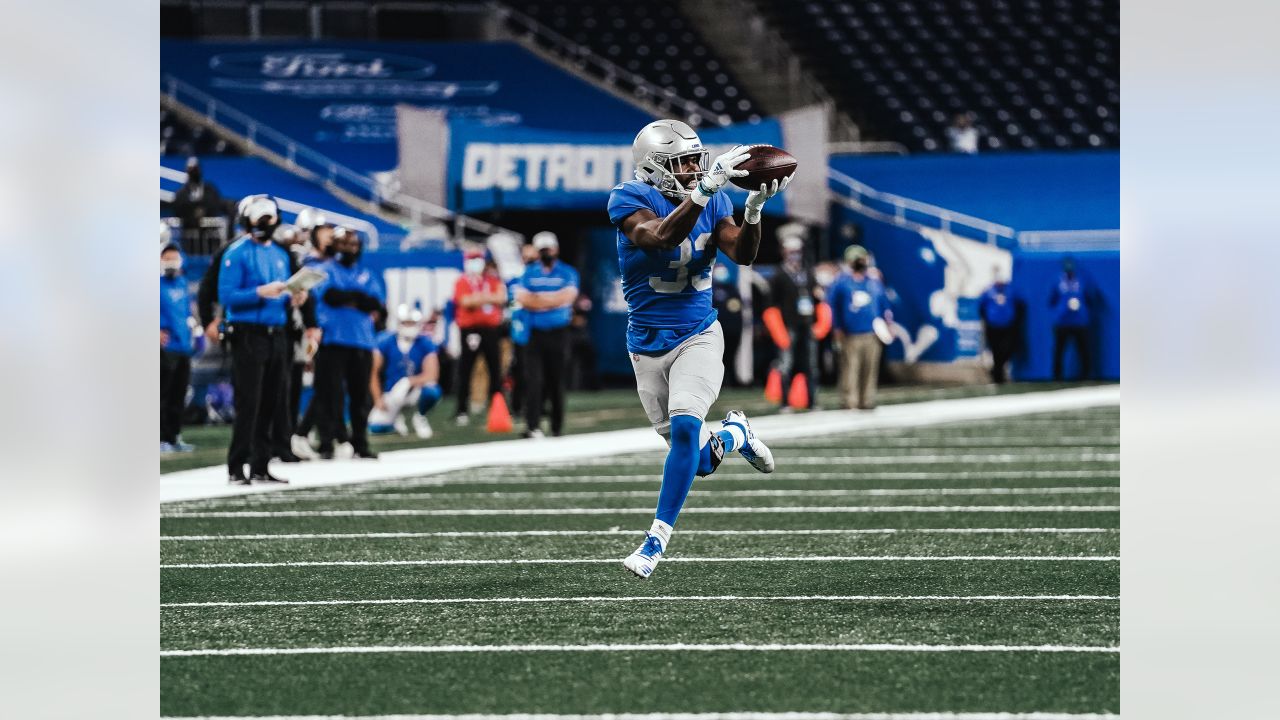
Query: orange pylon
x,y
499,415
798,397
773,387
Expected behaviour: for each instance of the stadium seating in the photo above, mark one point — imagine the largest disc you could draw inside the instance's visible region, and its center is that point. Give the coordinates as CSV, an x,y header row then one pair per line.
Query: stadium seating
x,y
1034,73
179,138
653,40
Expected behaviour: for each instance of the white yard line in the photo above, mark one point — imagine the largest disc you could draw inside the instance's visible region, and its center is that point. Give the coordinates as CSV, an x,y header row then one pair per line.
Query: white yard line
x,y
909,459
914,442
609,533
588,494
212,482
650,598
695,716
513,476
610,561
746,510
646,647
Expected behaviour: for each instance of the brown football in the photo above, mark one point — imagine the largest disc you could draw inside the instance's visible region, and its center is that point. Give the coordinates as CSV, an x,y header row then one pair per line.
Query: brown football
x,y
766,164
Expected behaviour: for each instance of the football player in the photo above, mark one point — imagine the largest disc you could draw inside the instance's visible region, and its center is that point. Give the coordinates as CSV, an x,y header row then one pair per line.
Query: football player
x,y
406,374
672,222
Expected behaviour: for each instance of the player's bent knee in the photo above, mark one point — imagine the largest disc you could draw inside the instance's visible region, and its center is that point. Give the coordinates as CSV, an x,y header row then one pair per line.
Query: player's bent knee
x,y
685,430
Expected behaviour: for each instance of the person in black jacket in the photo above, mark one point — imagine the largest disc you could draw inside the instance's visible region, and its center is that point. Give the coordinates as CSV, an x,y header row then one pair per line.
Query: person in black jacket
x,y
197,198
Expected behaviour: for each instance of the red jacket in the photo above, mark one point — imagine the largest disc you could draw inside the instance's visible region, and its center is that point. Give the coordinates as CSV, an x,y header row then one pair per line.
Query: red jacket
x,y
488,315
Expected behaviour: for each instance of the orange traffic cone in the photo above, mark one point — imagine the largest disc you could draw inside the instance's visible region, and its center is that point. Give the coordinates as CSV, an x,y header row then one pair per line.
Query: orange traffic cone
x,y
773,387
499,416
798,397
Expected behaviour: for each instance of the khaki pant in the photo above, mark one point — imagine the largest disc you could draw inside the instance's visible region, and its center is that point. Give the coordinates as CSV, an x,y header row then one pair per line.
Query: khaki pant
x,y
859,370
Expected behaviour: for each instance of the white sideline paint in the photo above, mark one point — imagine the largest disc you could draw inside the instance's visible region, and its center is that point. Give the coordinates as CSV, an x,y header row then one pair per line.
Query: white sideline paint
x,y
694,716
646,598
907,459
746,510
212,481
610,561
587,494
604,533
675,647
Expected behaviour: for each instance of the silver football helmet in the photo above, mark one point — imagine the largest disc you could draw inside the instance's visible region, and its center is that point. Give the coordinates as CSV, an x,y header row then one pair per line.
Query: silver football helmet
x,y
658,151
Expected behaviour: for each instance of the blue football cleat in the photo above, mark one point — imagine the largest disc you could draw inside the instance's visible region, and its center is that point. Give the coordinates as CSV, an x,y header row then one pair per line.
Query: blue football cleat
x,y
754,449
645,558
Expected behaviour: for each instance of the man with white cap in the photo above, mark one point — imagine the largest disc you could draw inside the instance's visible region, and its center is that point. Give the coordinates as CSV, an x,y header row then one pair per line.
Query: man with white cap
x,y
547,291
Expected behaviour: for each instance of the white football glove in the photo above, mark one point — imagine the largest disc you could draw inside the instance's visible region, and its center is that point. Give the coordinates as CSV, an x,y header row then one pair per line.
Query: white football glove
x,y
719,174
756,198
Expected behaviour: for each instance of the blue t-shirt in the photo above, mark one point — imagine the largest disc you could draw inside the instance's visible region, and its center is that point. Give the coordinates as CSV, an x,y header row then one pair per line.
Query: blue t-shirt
x,y
175,309
855,303
537,278
397,365
245,265
997,307
1069,302
668,292
345,325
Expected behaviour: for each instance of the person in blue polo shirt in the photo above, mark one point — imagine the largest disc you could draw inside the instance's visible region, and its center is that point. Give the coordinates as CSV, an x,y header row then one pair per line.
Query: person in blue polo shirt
x,y
176,345
349,297
1069,301
1001,313
256,302
547,292
857,301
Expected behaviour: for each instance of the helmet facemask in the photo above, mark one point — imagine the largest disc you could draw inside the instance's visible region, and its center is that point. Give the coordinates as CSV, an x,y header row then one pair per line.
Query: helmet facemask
x,y
661,169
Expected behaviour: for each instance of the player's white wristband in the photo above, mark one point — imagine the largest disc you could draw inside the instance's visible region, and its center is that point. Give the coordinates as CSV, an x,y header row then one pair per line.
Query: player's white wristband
x,y
751,215
698,197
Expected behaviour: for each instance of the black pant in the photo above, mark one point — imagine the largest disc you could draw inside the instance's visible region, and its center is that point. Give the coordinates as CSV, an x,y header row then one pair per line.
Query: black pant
x,y
1062,334
175,375
259,374
1002,341
518,385
732,339
544,372
338,366
475,342
287,412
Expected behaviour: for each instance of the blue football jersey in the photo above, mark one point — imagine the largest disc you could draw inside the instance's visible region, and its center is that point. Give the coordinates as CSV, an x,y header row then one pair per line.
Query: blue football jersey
x,y
398,365
668,292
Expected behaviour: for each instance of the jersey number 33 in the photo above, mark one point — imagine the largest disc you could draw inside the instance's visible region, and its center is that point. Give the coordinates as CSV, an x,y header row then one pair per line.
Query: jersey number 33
x,y
681,266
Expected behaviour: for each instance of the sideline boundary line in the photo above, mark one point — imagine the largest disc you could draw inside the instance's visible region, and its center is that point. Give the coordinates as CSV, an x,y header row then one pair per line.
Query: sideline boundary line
x,y
646,598
644,647
611,561
212,482
607,533
744,510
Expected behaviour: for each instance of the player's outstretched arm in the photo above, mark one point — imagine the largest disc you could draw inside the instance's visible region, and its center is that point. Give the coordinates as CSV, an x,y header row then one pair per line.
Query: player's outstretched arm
x,y
649,232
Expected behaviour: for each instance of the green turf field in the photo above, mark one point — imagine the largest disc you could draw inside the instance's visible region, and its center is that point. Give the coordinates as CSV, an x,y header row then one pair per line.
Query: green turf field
x,y
967,568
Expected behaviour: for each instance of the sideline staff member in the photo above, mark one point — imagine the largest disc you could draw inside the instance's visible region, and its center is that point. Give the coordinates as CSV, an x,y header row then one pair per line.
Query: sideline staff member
x,y
547,292
252,292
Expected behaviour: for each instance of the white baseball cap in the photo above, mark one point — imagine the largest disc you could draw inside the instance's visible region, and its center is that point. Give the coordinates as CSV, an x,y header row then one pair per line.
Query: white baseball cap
x,y
546,239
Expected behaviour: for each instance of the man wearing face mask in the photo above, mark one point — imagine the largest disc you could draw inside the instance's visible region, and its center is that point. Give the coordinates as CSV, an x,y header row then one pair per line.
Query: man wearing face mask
x,y
478,297
857,301
406,375
1001,312
547,291
318,240
796,317
176,346
252,292
197,198
348,299
1070,302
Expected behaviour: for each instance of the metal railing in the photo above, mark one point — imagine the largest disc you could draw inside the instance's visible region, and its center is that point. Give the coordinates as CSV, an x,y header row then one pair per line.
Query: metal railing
x,y
911,213
583,58
1068,240
291,206
305,161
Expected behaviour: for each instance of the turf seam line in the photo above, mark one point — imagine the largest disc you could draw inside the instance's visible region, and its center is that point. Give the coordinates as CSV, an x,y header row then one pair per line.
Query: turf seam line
x,y
594,561
644,647
603,533
650,598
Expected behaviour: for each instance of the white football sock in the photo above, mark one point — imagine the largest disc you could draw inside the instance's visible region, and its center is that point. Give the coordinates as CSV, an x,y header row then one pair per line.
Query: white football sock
x,y
735,431
663,531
